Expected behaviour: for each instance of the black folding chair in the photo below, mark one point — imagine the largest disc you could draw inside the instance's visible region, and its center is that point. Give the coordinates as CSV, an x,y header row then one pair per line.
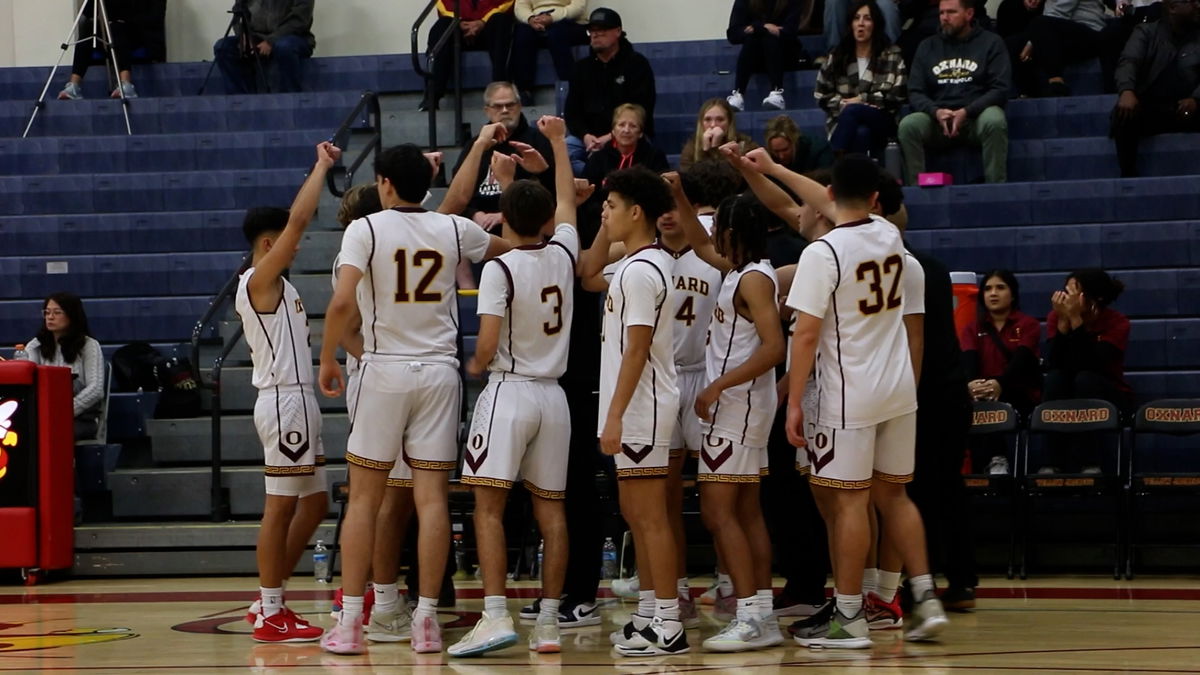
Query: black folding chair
x,y
995,419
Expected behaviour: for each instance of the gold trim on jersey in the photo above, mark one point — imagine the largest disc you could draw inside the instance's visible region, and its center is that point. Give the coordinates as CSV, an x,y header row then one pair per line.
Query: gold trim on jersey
x,y
694,454
290,470
676,453
804,469
726,478
894,478
400,482
368,463
320,460
839,484
544,494
484,481
429,464
764,471
643,472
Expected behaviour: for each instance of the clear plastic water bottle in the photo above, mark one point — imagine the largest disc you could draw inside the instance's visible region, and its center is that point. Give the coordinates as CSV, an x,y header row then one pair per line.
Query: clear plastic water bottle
x,y
321,562
608,560
19,353
540,555
460,558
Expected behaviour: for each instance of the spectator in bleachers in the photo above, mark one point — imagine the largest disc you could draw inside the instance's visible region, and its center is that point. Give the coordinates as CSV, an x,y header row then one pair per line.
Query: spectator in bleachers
x,y
1000,353
502,104
280,35
553,24
1085,352
629,147
612,74
838,14
794,149
958,87
715,126
1158,80
1067,31
486,25
126,18
767,31
1133,12
862,84
64,340
925,17
1014,16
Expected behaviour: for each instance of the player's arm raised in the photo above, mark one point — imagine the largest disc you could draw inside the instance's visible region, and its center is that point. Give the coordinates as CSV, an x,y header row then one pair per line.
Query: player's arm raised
x,y
809,191
756,293
463,183
771,195
566,194
264,287
697,238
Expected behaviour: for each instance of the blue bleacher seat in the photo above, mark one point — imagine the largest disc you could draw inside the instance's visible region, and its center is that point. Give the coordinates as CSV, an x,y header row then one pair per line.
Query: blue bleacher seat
x,y
1070,202
1167,198
113,320
1153,244
1005,204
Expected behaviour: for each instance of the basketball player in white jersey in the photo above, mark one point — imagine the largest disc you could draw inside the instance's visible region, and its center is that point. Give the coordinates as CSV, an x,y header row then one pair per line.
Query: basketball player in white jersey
x,y
738,405
639,395
410,390
286,414
521,427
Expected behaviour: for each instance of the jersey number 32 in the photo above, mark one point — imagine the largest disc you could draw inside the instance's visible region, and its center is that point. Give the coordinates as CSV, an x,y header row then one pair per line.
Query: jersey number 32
x,y
874,275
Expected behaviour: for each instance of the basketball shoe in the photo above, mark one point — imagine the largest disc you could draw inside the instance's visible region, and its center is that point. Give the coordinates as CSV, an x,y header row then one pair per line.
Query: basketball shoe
x,y
840,632
488,635
626,589
545,639
426,635
393,627
884,615
739,636
344,640
663,638
928,619
688,614
284,626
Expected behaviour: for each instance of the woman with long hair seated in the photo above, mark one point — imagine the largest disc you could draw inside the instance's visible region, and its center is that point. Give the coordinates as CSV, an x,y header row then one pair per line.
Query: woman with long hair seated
x,y
64,340
715,126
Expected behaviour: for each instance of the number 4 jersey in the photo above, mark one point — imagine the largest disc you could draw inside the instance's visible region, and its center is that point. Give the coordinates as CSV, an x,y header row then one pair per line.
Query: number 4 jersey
x,y
407,296
854,279
532,288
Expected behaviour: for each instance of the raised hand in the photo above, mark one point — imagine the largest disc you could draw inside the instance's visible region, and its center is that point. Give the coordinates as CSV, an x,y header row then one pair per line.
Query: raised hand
x,y
328,154
528,157
552,127
504,168
492,134
759,160
583,191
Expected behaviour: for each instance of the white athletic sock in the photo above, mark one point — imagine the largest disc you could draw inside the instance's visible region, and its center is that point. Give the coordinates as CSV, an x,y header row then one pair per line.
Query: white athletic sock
x,y
272,600
888,583
920,584
495,606
766,602
870,582
352,610
646,604
849,605
283,585
667,610
387,598
549,609
685,590
747,608
724,584
426,606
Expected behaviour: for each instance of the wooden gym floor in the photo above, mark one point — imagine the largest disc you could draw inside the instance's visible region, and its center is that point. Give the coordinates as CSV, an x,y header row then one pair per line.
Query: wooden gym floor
x,y
1051,624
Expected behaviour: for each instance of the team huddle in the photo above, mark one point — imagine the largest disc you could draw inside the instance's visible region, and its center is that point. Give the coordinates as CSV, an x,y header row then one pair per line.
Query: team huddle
x,y
693,330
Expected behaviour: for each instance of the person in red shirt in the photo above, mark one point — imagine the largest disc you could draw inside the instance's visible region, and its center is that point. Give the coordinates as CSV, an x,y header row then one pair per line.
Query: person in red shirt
x,y
1085,355
486,25
1000,351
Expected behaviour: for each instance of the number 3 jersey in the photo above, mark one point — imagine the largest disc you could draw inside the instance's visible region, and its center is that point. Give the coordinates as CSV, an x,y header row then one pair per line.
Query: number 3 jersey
x,y
853,278
532,288
407,297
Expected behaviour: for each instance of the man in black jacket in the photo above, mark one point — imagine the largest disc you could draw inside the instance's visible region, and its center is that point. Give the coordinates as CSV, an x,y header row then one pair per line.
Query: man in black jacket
x,y
280,31
958,86
611,75
1158,80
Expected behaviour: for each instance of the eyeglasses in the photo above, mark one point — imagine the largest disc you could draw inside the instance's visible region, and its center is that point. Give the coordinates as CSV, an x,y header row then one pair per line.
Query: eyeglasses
x,y
52,312
503,105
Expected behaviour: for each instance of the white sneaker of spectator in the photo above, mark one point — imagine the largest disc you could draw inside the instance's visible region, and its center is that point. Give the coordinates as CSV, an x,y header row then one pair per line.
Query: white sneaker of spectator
x,y
999,466
774,100
736,100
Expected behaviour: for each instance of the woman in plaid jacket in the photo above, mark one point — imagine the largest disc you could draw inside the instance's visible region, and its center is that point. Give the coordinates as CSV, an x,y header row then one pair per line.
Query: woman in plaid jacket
x,y
862,85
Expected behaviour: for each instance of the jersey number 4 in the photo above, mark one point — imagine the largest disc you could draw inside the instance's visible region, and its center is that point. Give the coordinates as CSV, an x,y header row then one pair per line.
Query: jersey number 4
x,y
871,273
422,258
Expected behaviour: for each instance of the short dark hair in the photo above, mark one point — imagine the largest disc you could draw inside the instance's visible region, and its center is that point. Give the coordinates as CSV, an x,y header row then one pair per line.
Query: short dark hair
x,y
263,219
891,195
855,179
407,169
709,182
1098,285
642,187
967,4
527,205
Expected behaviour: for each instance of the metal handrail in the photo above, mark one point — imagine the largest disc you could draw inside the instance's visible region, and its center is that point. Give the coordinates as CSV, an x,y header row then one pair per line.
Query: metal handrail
x,y
370,102
452,36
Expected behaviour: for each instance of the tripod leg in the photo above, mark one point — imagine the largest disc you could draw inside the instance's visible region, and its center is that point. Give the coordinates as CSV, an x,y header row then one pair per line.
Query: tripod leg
x,y
111,53
67,42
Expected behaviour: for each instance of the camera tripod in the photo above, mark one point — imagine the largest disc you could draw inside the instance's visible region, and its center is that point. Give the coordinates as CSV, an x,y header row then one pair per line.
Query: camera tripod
x,y
99,20
239,23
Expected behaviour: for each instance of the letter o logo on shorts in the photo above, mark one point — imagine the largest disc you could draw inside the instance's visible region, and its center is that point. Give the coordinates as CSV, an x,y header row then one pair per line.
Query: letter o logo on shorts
x,y
477,441
822,440
293,438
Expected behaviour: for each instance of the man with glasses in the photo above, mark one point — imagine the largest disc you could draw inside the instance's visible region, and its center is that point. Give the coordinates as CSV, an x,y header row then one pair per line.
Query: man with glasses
x,y
612,74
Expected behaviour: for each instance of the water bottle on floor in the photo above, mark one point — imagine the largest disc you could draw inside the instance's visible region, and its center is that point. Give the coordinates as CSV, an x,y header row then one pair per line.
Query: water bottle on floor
x,y
321,562
608,560
460,559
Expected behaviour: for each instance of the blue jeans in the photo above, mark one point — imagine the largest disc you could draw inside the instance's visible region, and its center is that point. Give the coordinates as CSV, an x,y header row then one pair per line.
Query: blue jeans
x,y
578,154
837,20
286,61
862,129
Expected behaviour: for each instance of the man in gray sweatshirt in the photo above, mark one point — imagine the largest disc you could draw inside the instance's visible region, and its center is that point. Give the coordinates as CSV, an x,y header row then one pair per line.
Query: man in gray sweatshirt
x,y
276,32
958,86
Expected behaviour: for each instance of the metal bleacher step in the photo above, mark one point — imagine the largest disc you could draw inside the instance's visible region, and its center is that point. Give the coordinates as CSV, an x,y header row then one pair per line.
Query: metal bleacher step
x,y
238,394
183,492
144,549
189,441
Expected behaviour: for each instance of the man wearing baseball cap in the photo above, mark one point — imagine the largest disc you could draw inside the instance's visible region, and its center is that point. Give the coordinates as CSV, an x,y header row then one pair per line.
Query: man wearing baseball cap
x,y
612,74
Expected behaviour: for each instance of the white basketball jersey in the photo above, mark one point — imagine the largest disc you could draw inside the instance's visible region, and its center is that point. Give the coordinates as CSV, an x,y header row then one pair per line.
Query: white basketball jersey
x,y
641,294
407,297
914,285
853,278
532,288
351,362
696,285
278,340
744,413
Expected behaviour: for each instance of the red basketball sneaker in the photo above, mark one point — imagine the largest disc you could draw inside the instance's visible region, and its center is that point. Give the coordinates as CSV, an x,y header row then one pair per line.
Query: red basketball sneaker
x,y
284,627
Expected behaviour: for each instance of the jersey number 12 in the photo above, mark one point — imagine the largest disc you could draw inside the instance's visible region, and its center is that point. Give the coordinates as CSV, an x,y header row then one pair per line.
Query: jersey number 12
x,y
422,258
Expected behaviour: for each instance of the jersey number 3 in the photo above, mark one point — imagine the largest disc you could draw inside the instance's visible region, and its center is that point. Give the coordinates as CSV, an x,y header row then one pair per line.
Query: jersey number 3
x,y
553,294
422,258
871,273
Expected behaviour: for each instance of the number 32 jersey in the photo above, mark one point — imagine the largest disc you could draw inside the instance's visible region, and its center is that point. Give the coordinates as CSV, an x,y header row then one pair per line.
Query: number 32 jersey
x,y
853,278
408,296
532,288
